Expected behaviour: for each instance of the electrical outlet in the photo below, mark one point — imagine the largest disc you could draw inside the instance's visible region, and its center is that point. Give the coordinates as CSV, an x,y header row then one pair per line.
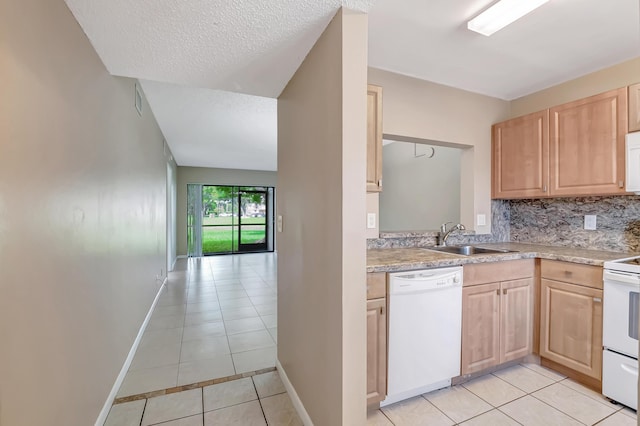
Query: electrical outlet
x,y
279,223
481,220
371,220
590,222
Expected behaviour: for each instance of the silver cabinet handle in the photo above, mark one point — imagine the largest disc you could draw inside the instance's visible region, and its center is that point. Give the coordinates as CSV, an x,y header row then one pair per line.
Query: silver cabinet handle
x,y
544,188
597,300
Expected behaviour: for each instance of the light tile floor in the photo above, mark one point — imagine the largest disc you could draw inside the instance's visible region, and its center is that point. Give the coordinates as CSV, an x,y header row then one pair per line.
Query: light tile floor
x,y
216,317
253,401
525,394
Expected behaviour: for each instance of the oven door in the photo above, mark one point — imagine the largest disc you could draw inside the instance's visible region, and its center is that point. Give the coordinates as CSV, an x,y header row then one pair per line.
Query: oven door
x,y
620,315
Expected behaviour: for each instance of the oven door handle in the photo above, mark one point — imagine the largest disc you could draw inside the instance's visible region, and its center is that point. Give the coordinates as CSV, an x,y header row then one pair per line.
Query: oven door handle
x,y
631,279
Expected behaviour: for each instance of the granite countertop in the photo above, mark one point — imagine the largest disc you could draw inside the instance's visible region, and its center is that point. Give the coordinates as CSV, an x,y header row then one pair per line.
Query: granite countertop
x,y
401,259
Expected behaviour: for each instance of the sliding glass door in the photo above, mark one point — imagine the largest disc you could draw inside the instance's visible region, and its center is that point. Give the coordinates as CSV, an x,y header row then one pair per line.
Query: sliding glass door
x,y
219,222
252,220
233,219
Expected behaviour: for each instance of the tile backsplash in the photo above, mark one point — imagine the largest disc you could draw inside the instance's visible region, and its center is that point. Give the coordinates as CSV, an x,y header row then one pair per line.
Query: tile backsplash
x,y
552,221
500,233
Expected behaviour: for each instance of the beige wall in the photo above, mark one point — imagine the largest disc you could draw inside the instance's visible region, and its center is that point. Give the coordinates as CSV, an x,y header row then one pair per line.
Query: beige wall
x,y
418,109
614,77
82,218
210,176
420,193
321,251
373,206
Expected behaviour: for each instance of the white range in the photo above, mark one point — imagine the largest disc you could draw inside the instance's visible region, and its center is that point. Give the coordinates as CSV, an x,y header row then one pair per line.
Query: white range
x,y
620,331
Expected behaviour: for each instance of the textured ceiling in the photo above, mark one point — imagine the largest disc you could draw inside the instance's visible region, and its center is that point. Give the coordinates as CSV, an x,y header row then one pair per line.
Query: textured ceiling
x,y
561,40
213,128
184,49
246,46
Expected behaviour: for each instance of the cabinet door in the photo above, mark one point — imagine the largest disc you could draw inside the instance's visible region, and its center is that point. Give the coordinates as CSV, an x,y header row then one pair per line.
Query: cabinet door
x,y
376,350
480,327
587,145
634,108
374,138
571,326
516,328
520,157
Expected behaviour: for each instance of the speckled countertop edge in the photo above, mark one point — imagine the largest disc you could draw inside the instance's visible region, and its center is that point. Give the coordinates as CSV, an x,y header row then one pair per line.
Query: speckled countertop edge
x,y
404,259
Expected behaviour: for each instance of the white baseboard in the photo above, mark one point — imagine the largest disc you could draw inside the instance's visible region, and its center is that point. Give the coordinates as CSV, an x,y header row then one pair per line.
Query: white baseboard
x,y
295,399
102,417
181,256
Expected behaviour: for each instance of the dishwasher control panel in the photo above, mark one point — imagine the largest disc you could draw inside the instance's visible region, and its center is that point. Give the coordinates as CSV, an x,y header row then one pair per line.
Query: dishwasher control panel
x,y
428,279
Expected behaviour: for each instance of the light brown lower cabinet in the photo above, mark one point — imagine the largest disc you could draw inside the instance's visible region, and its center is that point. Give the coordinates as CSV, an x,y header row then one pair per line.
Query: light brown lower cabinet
x,y
376,338
516,328
497,323
376,350
571,326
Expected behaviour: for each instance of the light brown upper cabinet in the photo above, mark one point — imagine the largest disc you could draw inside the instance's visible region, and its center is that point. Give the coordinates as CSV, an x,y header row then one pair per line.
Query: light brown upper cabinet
x,y
374,138
586,145
634,108
520,162
572,149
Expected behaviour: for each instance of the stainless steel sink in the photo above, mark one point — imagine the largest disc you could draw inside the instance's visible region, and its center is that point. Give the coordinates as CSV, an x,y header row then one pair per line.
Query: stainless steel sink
x,y
467,250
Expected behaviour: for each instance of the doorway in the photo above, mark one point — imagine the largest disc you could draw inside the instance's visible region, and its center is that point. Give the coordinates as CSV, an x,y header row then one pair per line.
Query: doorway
x,y
229,219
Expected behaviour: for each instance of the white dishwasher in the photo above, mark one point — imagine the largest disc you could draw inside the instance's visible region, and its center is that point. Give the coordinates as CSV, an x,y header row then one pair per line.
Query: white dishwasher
x,y
425,328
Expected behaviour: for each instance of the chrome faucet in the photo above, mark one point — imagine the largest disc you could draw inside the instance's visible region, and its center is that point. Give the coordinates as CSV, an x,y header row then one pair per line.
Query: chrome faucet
x,y
444,233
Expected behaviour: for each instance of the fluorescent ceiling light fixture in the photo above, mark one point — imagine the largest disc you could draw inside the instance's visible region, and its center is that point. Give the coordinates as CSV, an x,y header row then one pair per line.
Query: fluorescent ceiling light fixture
x,y
502,14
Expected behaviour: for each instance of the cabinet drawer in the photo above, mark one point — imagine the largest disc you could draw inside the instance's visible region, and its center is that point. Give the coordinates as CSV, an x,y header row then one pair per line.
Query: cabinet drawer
x,y
575,273
482,273
376,285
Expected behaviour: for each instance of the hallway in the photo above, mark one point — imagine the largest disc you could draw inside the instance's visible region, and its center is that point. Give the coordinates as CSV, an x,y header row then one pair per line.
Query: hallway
x,y
215,318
